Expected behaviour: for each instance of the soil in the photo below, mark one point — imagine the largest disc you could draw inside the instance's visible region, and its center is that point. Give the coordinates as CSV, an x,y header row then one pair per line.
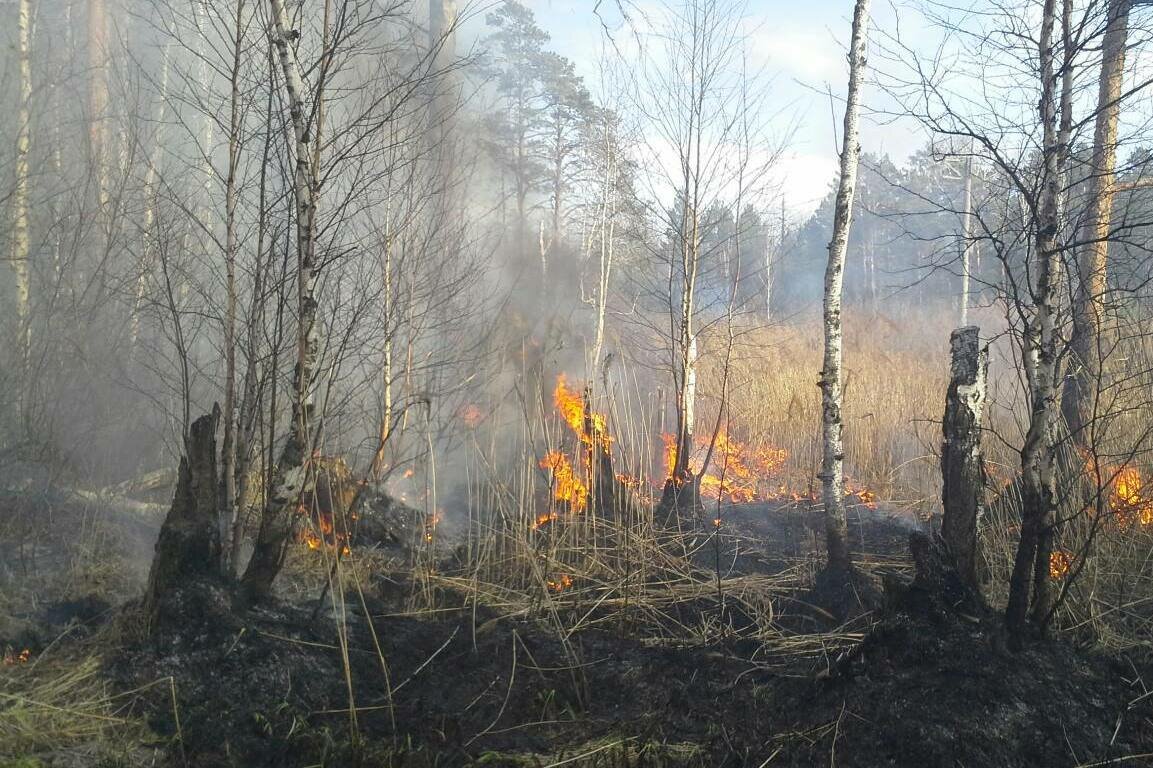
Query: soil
x,y
470,686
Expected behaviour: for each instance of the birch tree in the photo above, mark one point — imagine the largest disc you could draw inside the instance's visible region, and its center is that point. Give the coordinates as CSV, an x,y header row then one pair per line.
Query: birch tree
x,y
1031,565
291,474
833,451
98,96
20,240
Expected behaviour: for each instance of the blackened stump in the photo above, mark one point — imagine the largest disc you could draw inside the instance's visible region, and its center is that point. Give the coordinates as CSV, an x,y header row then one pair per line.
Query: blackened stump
x,y
188,548
962,463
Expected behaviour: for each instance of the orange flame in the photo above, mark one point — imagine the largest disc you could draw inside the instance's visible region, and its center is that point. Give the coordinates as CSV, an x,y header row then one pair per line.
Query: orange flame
x,y
742,474
544,519
571,406
740,470
670,454
567,486
430,524
1060,561
1129,500
12,658
563,582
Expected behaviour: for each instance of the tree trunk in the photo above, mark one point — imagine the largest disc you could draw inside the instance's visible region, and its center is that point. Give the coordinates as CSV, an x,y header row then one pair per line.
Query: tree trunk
x,y
189,544
442,31
149,191
832,460
98,95
966,239
1084,379
290,478
962,463
20,239
1031,564
250,411
229,448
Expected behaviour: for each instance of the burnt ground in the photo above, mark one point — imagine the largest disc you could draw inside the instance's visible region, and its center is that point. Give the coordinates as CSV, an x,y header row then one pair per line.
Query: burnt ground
x,y
472,686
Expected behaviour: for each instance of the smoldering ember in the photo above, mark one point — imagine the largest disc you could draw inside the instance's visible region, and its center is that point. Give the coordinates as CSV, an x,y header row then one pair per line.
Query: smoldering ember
x,y
588,383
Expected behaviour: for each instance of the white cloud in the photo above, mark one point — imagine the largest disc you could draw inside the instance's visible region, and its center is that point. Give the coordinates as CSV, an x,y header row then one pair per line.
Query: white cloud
x,y
805,54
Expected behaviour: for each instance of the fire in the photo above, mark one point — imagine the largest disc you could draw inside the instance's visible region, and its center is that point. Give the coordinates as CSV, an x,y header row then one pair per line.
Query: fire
x,y
544,519
1129,500
739,470
571,481
628,481
12,658
430,525
742,474
862,495
316,536
1059,563
570,404
409,473
670,454
471,415
567,485
563,582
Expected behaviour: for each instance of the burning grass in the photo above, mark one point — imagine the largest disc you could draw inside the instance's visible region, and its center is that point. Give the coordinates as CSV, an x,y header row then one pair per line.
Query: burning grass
x,y
520,626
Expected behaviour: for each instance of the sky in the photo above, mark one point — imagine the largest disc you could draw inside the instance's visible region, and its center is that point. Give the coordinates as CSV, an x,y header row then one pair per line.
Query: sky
x,y
799,46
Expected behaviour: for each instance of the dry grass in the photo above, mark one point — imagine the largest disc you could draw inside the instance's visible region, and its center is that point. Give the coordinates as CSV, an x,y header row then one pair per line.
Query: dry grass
x,y
896,376
55,707
894,384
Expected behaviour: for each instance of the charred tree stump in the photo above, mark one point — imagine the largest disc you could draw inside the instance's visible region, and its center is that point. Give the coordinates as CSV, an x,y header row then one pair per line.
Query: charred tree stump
x,y
962,465
188,550
680,502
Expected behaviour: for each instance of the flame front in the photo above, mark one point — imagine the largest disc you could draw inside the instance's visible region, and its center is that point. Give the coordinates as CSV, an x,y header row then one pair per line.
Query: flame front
x,y
742,474
1128,498
570,480
588,425
567,485
1129,501
741,470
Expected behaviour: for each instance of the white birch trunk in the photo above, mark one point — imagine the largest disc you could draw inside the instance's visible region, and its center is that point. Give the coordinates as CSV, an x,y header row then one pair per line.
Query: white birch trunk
x,y
228,446
832,460
98,96
291,475
1031,564
20,239
149,217
966,239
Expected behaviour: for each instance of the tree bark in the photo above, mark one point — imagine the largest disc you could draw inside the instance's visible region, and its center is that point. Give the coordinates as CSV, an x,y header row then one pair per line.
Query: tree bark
x,y
189,544
98,95
290,478
20,240
962,462
832,460
967,239
1084,378
229,448
149,218
1038,480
